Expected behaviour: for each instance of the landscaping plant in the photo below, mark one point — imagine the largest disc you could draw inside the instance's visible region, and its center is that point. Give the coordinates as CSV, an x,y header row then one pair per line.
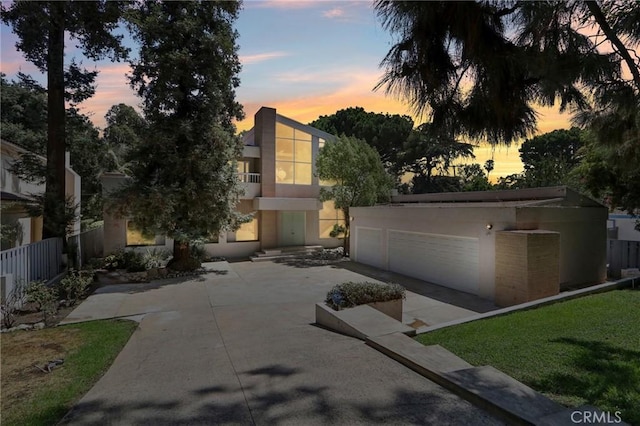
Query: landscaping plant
x,y
350,294
74,285
9,308
45,298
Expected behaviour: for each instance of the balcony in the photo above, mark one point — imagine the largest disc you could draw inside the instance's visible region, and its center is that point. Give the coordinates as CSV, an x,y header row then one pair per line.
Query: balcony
x,y
251,184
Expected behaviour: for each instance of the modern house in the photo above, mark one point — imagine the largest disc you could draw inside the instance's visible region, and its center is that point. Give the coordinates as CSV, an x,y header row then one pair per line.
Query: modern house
x,y
277,170
16,192
507,246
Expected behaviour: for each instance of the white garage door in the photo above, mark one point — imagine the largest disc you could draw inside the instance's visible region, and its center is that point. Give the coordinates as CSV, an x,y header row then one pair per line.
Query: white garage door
x,y
369,246
440,259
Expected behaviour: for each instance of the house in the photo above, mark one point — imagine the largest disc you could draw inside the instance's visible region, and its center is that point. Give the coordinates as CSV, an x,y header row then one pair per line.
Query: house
x,y
277,170
17,192
507,246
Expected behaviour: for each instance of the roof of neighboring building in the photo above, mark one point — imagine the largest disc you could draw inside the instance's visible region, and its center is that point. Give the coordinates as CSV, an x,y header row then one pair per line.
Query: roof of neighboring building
x,y
9,196
549,196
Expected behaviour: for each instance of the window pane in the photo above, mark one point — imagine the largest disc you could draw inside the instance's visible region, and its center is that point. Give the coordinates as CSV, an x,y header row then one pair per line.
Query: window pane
x,y
284,149
328,210
284,172
135,237
326,226
303,152
302,136
303,174
283,131
248,231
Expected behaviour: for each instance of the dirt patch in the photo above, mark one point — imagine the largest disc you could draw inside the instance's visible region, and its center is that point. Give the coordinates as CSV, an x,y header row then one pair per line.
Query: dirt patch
x,y
23,350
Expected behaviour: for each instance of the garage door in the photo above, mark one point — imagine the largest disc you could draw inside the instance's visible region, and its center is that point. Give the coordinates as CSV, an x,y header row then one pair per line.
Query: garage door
x,y
441,259
369,246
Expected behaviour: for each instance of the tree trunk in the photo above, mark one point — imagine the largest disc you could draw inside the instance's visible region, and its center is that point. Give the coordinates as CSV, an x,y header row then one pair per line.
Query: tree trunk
x,y
181,251
54,200
347,227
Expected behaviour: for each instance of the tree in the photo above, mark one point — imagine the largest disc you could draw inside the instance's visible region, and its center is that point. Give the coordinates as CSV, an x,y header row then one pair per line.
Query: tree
x,y
473,178
358,174
479,68
91,25
427,152
124,131
549,158
385,132
489,166
24,122
184,183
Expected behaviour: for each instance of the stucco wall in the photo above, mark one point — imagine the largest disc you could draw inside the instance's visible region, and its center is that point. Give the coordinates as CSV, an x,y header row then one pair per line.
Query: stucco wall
x,y
583,238
582,234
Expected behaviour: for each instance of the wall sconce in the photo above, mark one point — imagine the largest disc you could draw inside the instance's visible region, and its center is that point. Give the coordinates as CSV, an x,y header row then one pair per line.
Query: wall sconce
x,y
351,218
489,227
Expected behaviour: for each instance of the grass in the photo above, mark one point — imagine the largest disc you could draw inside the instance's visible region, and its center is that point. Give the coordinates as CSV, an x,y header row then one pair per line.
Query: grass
x,y
583,351
31,397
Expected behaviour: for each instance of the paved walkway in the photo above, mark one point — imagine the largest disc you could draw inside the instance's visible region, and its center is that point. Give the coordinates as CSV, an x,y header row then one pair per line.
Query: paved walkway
x,y
239,347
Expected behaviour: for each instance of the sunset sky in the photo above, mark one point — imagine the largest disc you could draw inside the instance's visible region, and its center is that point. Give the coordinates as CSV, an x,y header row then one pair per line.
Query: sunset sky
x,y
304,58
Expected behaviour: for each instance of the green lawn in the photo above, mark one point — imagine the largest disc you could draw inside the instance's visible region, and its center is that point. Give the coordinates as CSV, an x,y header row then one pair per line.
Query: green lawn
x,y
581,351
31,397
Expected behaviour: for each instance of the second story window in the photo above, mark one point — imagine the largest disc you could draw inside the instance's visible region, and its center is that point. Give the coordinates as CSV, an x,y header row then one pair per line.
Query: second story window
x,y
293,156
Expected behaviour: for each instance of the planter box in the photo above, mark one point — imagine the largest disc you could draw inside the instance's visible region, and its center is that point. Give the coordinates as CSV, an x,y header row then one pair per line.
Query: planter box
x,y
361,322
392,308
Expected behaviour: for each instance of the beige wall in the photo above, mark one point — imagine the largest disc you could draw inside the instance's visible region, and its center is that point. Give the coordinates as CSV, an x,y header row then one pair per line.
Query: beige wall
x,y
583,238
265,138
582,234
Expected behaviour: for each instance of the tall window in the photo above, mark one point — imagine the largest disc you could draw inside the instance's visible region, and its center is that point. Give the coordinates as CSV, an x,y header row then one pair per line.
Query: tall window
x,y
329,217
293,156
136,238
247,232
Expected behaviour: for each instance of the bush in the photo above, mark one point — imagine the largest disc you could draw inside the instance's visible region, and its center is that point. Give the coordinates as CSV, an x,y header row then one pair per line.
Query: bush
x,y
155,258
45,298
350,294
197,251
9,308
74,286
125,259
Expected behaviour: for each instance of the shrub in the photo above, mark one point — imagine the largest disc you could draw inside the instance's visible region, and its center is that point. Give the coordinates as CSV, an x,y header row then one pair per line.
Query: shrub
x,y
10,306
154,258
74,286
44,297
197,250
350,294
125,259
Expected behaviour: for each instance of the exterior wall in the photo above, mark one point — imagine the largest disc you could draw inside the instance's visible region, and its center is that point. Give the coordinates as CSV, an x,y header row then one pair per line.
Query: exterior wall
x,y
582,234
460,221
527,266
625,227
265,138
583,240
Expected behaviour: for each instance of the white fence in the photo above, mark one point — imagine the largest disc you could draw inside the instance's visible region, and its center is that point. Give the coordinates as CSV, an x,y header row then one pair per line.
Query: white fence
x,y
249,177
37,261
89,244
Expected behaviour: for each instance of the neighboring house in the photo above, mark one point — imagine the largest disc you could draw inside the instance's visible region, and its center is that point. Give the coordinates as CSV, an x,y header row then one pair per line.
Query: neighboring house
x,y
277,169
622,226
17,192
507,246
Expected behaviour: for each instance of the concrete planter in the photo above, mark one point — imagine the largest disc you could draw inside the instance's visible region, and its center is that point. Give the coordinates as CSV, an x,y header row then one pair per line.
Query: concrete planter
x,y
392,308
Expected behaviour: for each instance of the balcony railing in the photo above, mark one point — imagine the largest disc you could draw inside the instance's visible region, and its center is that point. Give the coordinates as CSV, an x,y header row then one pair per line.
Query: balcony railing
x,y
249,177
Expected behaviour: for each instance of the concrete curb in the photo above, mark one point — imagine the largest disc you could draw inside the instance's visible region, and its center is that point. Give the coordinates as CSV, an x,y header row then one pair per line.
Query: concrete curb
x,y
360,322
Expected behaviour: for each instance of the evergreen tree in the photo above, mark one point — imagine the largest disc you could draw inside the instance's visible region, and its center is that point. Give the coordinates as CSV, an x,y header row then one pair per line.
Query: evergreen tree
x,y
358,177
41,28
184,182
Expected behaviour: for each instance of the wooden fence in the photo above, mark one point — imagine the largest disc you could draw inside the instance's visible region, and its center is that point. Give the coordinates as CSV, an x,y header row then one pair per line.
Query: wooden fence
x,y
622,255
41,260
88,245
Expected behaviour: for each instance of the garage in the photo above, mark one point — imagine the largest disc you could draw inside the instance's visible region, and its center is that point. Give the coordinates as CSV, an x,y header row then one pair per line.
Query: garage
x,y
443,259
369,244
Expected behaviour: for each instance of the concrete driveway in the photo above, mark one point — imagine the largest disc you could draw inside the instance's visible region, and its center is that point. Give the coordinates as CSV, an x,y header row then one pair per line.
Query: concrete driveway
x,y
238,346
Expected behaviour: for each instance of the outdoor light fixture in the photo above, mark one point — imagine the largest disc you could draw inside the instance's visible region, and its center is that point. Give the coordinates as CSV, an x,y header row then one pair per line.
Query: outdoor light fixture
x,y
489,226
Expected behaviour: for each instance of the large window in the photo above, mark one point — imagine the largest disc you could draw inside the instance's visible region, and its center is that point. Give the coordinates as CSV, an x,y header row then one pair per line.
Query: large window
x,y
293,156
136,238
247,232
329,217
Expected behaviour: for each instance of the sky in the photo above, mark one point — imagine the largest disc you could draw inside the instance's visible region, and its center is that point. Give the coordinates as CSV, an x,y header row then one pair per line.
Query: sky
x,y
304,58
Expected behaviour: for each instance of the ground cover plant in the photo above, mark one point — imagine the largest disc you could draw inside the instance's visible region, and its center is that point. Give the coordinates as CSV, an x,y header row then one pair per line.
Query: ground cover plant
x,y
32,397
350,294
583,351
